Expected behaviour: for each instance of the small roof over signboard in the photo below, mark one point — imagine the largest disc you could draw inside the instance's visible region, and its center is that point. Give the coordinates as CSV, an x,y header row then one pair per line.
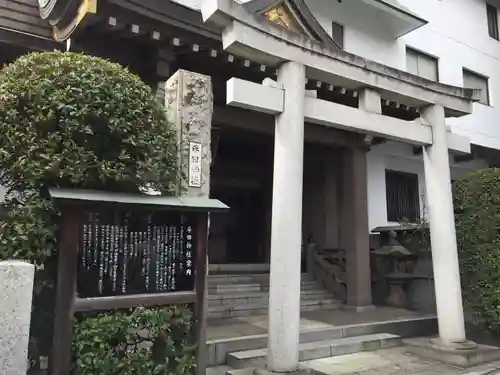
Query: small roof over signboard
x,y
81,197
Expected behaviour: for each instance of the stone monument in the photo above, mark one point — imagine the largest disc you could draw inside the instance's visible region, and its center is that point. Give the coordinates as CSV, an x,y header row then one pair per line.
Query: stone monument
x,y
189,102
16,289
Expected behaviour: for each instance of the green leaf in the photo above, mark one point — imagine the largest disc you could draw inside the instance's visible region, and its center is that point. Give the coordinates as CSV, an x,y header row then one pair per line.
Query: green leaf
x,y
477,216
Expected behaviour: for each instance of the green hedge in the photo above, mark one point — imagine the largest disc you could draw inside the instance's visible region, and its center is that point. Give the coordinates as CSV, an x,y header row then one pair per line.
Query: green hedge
x,y
71,120
477,215
136,342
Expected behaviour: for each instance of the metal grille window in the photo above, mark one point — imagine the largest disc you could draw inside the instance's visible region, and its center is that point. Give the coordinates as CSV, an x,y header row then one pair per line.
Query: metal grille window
x,y
403,201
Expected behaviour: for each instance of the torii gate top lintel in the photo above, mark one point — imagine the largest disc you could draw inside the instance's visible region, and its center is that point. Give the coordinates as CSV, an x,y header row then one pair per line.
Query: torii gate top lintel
x,y
249,35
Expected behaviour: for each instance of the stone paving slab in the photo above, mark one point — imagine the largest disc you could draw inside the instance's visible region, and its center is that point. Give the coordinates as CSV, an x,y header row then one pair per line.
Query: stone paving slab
x,y
394,361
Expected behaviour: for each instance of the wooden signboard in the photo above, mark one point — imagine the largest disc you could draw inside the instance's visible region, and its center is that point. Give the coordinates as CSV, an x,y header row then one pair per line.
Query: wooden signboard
x,y
121,251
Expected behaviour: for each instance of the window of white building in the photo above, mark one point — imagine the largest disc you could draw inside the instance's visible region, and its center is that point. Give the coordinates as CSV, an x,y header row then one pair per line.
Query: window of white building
x,y
476,81
338,34
402,196
492,15
422,65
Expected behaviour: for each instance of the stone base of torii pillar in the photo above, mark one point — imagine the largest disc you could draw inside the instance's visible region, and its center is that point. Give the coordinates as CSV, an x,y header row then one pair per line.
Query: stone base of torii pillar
x,y
464,354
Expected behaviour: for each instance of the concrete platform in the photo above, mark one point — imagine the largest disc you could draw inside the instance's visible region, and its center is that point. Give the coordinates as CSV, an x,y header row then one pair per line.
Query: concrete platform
x,y
240,334
313,320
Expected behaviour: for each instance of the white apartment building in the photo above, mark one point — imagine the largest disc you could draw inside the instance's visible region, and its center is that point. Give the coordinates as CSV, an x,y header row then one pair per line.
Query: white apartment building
x,y
458,45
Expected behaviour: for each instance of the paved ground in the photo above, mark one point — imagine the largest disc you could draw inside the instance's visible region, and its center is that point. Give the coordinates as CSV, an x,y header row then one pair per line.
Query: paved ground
x,y
393,361
255,325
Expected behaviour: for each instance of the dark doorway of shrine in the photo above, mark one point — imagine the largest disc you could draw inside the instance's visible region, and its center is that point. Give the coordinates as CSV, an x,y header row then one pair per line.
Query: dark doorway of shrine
x,y
241,177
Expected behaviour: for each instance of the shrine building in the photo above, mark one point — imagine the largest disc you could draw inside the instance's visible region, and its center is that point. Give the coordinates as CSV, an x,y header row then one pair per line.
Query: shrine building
x,y
318,149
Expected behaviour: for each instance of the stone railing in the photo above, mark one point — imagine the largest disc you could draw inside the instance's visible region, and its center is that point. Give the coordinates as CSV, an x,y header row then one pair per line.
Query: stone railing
x,y
328,267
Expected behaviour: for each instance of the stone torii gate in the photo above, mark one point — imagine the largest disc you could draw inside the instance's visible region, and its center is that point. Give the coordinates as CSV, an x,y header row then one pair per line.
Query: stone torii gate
x,y
298,58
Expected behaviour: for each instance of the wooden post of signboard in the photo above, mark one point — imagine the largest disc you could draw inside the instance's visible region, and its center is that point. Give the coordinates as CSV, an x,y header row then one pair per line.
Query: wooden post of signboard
x,y
200,288
65,292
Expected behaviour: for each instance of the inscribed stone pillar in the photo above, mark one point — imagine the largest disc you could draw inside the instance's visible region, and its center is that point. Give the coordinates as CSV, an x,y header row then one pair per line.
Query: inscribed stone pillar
x,y
286,228
16,290
442,230
354,232
189,102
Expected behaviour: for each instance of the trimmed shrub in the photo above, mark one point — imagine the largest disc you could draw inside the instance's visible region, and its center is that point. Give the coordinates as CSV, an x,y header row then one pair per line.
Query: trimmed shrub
x,y
477,215
71,120
74,121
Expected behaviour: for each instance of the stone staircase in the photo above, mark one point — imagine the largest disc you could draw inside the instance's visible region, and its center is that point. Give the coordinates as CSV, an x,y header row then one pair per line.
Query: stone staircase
x,y
243,295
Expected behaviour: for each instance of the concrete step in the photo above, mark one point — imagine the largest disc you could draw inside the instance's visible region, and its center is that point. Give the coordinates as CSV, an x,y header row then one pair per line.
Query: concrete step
x,y
254,287
318,349
240,371
234,288
219,370
234,299
238,268
218,349
246,310
243,278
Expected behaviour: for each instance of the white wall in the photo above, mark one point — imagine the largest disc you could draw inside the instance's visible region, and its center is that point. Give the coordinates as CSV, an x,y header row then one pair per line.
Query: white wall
x,y
196,4
399,156
364,34
457,34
